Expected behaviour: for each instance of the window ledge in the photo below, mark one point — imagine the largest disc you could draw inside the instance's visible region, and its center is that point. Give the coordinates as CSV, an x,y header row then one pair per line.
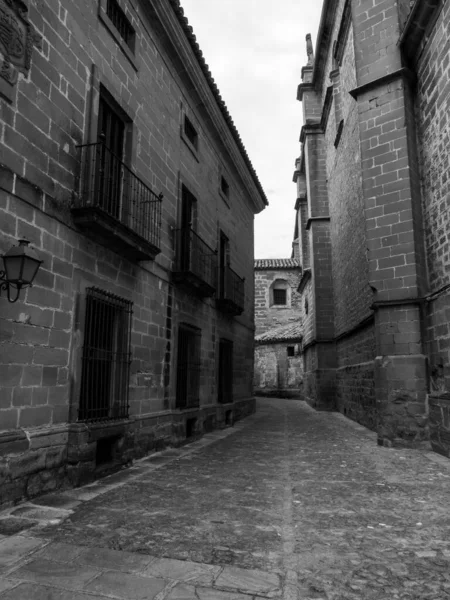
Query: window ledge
x,y
191,147
131,56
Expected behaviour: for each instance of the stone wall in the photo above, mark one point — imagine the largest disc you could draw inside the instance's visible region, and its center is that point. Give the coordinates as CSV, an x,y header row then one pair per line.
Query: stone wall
x,y
432,109
355,383
52,112
267,315
277,373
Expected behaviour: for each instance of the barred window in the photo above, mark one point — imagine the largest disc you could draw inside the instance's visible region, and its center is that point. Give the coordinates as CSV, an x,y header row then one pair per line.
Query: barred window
x,y
279,297
188,367
121,23
106,357
225,394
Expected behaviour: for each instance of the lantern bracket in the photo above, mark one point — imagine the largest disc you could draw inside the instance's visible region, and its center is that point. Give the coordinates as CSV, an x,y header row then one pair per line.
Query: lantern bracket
x,y
5,285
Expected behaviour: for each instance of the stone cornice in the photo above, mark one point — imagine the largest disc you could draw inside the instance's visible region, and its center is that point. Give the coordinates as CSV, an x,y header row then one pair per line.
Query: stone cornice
x,y
310,129
397,302
421,20
312,220
402,73
181,37
303,198
302,88
306,276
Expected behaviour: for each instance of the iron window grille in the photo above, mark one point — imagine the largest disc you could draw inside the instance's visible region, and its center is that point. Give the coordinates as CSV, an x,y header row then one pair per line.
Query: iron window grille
x,y
188,367
225,392
190,132
121,23
279,297
106,357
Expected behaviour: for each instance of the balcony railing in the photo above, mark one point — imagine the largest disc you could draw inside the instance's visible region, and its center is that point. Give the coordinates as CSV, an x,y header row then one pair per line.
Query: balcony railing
x,y
196,262
231,297
116,205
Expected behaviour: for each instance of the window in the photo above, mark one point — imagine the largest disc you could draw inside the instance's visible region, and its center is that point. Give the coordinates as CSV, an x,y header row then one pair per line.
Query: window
x,y
121,23
109,173
190,132
291,350
225,383
188,367
106,357
224,187
224,263
279,297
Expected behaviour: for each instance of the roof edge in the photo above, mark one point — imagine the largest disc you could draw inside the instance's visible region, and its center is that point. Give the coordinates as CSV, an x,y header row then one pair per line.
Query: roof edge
x,y
189,32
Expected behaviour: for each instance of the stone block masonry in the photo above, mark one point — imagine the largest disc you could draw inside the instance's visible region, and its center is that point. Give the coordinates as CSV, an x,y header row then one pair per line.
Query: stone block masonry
x,y
86,79
373,144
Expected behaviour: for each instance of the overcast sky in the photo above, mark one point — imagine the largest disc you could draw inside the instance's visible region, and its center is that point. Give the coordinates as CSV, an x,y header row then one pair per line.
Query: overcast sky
x,y
255,51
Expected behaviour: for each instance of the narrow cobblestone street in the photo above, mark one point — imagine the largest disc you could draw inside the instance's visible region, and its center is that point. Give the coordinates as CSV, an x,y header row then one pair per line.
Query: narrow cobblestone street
x,y
288,504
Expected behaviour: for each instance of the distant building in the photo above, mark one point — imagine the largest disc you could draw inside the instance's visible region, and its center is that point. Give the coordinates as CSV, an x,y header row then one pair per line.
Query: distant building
x,y
122,166
373,216
278,360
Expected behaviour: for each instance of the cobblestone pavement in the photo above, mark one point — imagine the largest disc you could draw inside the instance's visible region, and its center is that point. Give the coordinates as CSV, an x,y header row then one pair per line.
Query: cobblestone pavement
x,y
288,504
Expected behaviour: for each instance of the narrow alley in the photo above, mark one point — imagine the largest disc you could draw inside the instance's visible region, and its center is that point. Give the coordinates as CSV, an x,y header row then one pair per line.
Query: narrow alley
x,y
288,503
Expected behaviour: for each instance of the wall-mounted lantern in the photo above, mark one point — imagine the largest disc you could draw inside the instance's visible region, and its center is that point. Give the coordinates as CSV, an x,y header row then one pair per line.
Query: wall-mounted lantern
x,y
21,265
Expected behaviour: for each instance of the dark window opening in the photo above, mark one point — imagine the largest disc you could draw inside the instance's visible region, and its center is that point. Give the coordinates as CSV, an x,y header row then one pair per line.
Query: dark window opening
x,y
190,132
190,427
225,188
188,367
279,297
121,23
306,306
109,174
225,394
224,262
106,357
291,350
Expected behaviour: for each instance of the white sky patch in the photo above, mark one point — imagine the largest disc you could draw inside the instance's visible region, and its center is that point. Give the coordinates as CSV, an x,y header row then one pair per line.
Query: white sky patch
x,y
255,51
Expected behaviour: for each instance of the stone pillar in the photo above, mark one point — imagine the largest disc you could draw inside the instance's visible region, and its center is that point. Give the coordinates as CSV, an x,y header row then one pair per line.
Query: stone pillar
x,y
321,346
395,245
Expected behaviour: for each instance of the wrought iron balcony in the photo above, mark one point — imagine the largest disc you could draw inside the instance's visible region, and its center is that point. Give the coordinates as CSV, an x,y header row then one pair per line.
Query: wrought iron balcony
x,y
196,263
116,206
231,298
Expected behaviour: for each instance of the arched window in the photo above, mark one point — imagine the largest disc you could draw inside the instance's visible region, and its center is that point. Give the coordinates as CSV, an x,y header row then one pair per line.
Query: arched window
x,y
280,293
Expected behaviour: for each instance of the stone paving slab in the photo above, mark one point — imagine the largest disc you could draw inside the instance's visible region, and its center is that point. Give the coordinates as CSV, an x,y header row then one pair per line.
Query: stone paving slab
x,y
30,591
65,575
186,571
14,548
103,558
249,581
126,586
290,504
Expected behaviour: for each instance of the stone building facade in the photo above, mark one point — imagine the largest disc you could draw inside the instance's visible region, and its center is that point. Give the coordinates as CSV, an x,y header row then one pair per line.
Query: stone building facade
x,y
278,361
120,163
372,213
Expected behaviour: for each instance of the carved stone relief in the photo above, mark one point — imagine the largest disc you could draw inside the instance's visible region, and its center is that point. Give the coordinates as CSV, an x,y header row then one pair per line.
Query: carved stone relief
x,y
17,39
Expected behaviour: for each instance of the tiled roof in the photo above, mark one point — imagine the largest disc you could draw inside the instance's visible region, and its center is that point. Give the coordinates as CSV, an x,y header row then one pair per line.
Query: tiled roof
x,y
276,263
188,30
284,333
